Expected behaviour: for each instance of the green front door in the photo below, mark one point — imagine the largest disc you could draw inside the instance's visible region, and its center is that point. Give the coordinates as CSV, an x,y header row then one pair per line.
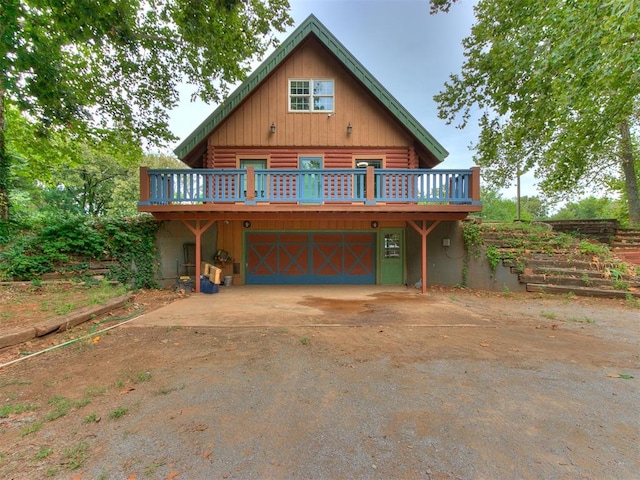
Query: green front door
x,y
392,256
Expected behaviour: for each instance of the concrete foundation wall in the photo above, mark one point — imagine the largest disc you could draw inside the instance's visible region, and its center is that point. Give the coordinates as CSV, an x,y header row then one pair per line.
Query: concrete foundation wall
x,y
445,264
481,277
170,240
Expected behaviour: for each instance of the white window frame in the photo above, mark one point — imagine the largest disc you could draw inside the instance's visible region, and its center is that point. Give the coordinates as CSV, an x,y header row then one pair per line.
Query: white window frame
x,y
311,96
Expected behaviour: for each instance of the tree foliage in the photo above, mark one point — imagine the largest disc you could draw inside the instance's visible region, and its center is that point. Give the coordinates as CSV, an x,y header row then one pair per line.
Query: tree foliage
x,y
111,70
589,208
58,175
496,208
555,86
441,5
126,189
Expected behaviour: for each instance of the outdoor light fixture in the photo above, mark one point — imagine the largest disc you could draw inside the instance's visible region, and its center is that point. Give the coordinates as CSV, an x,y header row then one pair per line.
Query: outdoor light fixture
x,y
374,224
349,128
246,224
272,128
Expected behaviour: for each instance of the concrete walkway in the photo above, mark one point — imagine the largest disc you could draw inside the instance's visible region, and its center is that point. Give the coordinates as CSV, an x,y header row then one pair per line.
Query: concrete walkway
x,y
311,305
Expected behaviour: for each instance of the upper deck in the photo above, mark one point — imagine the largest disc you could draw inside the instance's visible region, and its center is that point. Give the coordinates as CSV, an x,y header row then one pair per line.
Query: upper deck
x,y
315,190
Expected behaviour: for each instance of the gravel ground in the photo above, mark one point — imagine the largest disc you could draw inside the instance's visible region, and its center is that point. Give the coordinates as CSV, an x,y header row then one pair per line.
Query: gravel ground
x,y
516,387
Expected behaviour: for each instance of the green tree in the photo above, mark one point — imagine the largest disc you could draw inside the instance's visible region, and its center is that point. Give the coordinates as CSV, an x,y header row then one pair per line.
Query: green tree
x,y
496,208
588,208
110,70
556,89
57,176
91,185
126,191
533,208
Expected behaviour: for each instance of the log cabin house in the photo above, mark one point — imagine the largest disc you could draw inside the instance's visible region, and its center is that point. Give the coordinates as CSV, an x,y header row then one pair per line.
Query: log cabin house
x,y
311,172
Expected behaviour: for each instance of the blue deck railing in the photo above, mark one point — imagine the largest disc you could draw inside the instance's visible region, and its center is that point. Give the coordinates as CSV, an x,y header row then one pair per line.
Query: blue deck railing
x,y
252,186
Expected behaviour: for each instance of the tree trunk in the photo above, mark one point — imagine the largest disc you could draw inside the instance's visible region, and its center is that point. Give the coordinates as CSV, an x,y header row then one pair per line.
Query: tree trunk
x,y
630,175
4,166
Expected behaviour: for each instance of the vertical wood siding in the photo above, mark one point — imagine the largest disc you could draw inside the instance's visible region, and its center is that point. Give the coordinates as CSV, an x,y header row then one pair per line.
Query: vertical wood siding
x,y
249,125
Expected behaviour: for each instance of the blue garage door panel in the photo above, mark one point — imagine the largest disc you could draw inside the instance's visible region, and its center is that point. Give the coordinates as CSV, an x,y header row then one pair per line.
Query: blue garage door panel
x,y
309,258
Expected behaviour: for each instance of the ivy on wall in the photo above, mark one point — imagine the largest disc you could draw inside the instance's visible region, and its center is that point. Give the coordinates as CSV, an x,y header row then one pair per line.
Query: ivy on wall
x,y
473,243
67,245
132,243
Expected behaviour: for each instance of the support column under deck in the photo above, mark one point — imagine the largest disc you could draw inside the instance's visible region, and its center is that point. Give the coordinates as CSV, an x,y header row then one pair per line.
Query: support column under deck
x,y
198,229
423,229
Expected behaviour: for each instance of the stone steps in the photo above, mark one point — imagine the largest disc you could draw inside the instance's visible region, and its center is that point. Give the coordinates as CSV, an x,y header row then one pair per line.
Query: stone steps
x,y
577,281
631,255
626,246
552,265
581,291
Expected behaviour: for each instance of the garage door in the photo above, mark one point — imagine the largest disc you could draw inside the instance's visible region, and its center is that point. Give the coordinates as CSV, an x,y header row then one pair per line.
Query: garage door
x,y
310,258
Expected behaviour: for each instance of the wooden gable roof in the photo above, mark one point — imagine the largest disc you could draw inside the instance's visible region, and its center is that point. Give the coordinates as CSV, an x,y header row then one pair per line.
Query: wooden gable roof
x,y
312,26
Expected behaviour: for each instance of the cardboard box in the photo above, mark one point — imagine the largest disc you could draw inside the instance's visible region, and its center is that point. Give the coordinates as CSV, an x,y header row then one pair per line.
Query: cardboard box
x,y
215,274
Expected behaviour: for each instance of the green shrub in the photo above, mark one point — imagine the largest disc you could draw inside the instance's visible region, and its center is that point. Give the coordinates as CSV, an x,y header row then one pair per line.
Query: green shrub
x,y
132,242
67,244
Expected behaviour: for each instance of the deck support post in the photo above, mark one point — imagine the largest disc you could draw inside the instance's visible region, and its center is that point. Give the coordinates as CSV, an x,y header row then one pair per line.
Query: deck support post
x,y
197,231
370,184
474,187
423,229
250,194
145,185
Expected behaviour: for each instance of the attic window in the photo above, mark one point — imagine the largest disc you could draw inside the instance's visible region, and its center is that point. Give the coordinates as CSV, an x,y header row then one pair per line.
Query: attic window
x,y
308,95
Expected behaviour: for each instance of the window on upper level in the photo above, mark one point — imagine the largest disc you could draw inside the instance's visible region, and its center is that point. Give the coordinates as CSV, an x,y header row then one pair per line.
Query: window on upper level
x,y
308,95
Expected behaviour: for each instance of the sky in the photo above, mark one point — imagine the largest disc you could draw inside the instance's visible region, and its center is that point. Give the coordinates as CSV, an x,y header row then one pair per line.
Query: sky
x,y
410,52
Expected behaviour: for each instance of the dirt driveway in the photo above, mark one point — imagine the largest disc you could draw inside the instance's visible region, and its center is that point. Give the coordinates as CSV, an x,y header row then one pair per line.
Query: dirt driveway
x,y
326,383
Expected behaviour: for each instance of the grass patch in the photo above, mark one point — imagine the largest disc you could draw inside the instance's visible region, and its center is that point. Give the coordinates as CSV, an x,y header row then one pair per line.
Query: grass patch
x,y
14,381
142,377
91,418
151,469
52,471
62,406
118,413
596,249
167,390
620,285
631,301
95,391
33,428
135,378
43,452
548,315
580,320
65,308
7,410
58,299
76,455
